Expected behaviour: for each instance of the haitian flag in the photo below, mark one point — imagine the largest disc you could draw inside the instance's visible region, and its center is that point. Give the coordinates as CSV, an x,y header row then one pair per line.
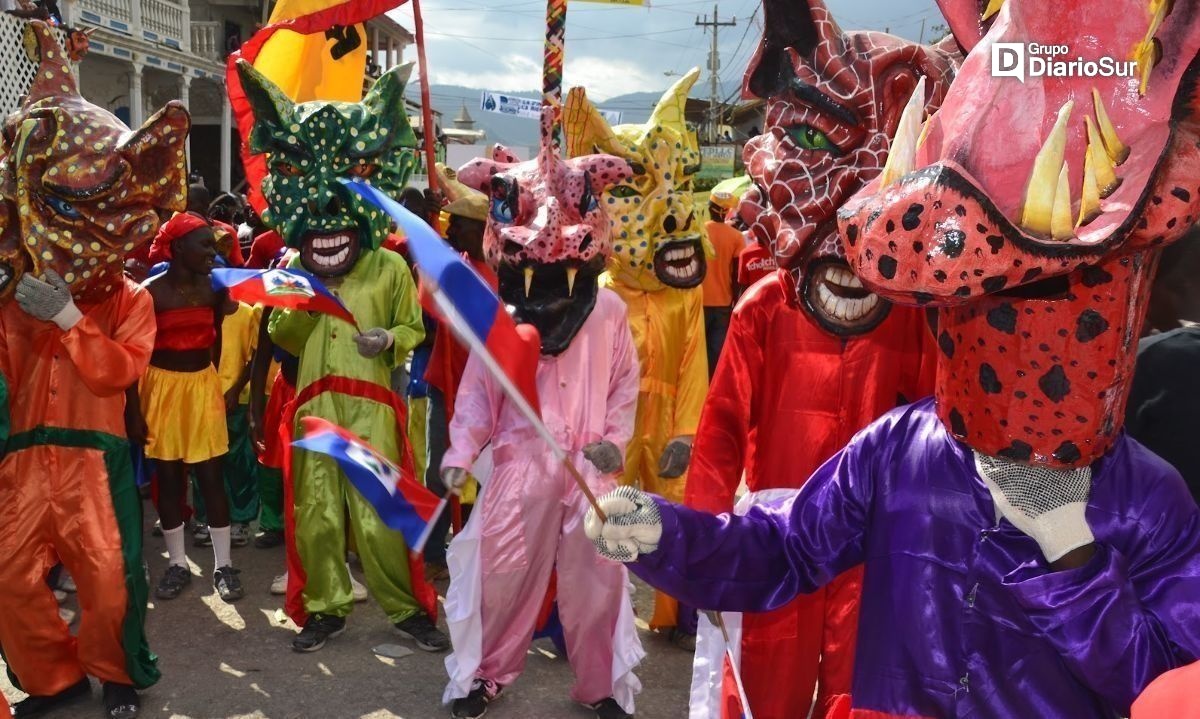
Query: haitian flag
x,y
402,504
469,307
289,289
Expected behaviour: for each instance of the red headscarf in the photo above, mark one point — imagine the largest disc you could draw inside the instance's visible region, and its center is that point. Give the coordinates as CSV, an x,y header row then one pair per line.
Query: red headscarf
x,y
178,226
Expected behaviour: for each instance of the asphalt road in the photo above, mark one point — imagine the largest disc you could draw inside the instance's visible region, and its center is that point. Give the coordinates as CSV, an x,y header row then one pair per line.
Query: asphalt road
x,y
224,661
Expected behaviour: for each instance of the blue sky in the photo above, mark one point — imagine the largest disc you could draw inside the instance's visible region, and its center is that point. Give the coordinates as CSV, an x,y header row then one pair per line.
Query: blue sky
x,y
612,49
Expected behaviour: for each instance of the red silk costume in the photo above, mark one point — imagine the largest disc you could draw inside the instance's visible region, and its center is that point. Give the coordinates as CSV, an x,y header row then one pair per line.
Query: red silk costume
x,y
811,356
800,412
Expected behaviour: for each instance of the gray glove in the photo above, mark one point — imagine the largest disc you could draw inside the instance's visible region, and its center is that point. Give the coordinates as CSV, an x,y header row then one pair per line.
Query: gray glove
x,y
634,525
604,455
674,460
455,478
48,300
373,342
1048,505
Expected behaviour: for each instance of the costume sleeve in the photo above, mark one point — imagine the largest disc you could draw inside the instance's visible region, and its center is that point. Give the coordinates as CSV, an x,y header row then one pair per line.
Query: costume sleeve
x,y
290,329
110,365
623,381
1122,620
475,412
407,329
693,371
761,561
722,439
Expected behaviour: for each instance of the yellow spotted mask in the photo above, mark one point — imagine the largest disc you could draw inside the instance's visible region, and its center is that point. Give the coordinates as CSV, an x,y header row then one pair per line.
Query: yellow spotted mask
x,y
78,189
657,240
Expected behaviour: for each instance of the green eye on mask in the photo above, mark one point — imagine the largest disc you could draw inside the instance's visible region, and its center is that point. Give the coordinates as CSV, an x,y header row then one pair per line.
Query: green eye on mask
x,y
623,192
808,137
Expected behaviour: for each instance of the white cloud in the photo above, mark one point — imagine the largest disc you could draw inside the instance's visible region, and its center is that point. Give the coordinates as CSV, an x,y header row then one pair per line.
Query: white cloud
x,y
608,77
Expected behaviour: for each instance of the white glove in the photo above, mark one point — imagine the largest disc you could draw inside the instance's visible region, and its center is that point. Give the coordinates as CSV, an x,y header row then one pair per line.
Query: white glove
x,y
48,300
1048,505
373,342
604,455
675,458
634,525
455,478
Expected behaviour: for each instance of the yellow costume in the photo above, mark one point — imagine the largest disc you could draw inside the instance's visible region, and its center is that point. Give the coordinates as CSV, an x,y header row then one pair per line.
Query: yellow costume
x,y
657,266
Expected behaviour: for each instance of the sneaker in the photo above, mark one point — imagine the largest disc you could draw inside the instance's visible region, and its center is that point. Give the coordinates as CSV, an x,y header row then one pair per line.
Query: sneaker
x,y
35,706
357,589
683,640
279,585
121,701
201,537
422,631
227,584
475,704
239,534
157,531
268,539
317,630
609,709
173,581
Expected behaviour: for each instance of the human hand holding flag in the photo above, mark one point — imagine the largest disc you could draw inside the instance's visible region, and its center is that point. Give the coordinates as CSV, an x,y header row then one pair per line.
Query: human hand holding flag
x,y
402,503
289,289
477,317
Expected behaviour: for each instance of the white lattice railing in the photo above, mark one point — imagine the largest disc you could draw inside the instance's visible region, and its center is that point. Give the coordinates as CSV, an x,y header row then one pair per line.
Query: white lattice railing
x,y
207,40
18,70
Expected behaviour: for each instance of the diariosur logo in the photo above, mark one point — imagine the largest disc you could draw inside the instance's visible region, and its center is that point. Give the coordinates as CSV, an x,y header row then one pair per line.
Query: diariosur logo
x,y
1026,60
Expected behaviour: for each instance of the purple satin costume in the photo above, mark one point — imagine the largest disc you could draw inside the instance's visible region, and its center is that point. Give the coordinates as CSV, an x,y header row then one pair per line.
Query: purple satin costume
x,y
961,616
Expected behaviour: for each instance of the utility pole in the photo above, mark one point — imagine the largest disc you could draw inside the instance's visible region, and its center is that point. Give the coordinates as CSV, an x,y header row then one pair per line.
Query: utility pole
x,y
922,40
714,67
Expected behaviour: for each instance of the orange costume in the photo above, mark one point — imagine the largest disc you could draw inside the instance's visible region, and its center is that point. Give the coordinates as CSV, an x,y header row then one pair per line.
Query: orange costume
x,y
67,493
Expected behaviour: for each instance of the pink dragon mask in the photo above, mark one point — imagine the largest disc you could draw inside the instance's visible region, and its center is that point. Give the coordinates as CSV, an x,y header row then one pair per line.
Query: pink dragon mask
x,y
78,189
833,102
1030,212
546,234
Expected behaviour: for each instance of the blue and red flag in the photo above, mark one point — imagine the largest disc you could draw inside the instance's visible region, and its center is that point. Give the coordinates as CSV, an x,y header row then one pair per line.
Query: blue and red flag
x,y
289,289
402,503
468,306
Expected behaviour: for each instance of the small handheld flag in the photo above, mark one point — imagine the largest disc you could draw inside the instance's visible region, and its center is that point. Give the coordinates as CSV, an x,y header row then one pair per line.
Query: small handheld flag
x,y
478,319
290,289
402,503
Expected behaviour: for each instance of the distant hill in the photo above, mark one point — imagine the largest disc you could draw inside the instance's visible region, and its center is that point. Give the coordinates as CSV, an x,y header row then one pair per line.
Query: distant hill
x,y
520,132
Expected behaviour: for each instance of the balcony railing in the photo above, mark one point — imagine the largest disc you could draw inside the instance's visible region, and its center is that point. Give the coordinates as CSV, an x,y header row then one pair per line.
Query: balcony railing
x,y
208,40
162,22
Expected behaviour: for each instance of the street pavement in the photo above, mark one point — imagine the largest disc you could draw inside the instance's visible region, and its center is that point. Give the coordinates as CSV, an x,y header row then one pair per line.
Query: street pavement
x,y
222,661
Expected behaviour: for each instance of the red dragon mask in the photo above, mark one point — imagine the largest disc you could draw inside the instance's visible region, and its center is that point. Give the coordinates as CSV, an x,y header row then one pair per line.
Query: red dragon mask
x,y
1030,212
833,102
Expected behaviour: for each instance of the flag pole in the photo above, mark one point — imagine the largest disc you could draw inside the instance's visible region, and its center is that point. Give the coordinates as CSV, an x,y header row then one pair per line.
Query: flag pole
x,y
718,620
426,105
454,319
419,547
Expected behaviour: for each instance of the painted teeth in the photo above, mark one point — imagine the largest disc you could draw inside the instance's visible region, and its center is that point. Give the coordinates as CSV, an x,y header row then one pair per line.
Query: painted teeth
x,y
331,242
684,273
845,309
571,272
1042,206
1118,151
902,156
992,8
1148,51
528,280
842,278
680,254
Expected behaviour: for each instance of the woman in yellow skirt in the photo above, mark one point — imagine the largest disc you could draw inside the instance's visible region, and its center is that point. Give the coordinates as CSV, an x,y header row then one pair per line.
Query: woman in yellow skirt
x,y
182,407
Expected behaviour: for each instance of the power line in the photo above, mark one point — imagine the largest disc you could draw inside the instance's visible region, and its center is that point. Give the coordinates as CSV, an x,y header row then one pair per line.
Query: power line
x,y
714,66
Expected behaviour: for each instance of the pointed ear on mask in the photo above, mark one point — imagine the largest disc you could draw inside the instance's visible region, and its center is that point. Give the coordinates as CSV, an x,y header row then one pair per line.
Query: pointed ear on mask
x,y
271,107
585,128
385,101
157,152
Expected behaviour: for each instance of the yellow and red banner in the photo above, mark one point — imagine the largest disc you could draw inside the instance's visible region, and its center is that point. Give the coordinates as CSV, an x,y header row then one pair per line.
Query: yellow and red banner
x,y
310,49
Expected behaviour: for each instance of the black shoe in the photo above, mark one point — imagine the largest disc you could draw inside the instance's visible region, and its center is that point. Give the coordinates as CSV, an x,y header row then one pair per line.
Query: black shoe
x,y
318,629
422,631
269,539
609,709
683,640
475,704
121,701
173,581
36,706
227,584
